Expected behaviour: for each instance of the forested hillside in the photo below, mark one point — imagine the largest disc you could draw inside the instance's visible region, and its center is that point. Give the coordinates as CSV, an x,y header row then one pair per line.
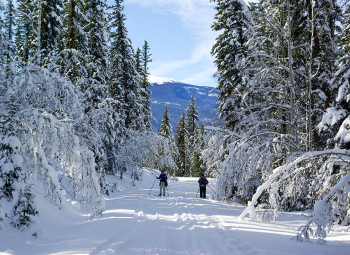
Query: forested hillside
x,y
177,95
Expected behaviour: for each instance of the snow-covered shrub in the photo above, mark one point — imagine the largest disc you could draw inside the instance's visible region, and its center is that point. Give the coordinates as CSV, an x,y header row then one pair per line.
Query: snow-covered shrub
x,y
249,162
213,156
42,108
332,206
145,149
16,200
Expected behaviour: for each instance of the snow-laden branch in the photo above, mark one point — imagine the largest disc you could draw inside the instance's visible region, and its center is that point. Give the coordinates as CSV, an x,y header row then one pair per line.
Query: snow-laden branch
x,y
223,130
278,173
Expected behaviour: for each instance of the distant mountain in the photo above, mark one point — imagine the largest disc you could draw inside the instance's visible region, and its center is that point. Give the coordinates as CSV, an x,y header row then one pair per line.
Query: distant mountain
x,y
177,96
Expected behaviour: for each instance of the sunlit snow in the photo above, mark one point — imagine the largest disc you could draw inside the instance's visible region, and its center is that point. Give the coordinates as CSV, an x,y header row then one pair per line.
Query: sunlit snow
x,y
137,221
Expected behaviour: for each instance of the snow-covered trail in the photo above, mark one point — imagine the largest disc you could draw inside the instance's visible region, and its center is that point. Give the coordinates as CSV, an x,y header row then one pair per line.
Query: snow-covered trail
x,y
135,223
180,223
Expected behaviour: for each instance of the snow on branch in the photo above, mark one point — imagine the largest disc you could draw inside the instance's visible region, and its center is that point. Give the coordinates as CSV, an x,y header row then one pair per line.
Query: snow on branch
x,y
279,172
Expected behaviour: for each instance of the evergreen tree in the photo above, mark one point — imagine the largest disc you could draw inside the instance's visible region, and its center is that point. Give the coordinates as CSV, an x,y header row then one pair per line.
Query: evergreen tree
x,y
138,60
198,167
192,134
191,119
323,17
14,192
24,41
10,25
145,92
234,23
3,40
97,42
94,85
24,209
166,132
72,60
165,129
335,120
145,60
51,25
124,81
182,145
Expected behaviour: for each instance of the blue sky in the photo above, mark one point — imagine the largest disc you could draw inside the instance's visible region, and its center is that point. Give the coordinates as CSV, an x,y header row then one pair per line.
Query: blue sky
x,y
179,34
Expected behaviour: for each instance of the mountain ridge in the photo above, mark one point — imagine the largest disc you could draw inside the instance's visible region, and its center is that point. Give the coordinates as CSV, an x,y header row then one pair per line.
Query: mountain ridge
x,y
177,95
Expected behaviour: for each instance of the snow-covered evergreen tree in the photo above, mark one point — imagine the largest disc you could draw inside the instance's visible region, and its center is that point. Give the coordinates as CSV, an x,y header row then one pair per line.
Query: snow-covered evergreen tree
x,y
72,59
165,128
192,135
182,145
10,26
124,80
198,166
24,33
50,26
213,155
3,40
145,91
289,71
233,21
16,198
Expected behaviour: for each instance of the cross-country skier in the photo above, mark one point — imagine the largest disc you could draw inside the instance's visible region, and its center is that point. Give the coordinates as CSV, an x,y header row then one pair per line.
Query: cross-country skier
x,y
203,185
163,182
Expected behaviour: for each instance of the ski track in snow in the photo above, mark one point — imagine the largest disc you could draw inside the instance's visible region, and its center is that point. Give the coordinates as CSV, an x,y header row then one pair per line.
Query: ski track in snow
x,y
175,224
137,223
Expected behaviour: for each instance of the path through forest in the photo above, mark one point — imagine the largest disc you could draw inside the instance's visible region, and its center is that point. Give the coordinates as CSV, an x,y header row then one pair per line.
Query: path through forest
x,y
181,223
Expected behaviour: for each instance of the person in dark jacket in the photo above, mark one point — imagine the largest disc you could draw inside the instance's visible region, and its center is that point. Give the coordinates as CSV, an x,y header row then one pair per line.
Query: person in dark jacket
x,y
203,182
162,183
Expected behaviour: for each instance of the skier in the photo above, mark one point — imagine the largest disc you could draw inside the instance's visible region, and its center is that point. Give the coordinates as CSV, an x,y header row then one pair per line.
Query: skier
x,y
163,182
202,185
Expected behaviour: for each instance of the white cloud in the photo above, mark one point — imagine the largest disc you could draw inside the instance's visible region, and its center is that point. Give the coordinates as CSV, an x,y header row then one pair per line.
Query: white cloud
x,y
203,78
197,16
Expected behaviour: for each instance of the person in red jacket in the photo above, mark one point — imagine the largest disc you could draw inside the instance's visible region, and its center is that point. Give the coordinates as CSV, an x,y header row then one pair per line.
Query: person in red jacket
x,y
203,185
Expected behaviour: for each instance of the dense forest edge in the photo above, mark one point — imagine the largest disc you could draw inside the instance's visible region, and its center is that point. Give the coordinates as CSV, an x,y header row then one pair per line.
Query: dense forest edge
x,y
75,107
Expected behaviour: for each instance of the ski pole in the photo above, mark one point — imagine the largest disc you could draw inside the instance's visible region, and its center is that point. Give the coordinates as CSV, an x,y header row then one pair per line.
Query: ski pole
x,y
197,192
212,190
152,186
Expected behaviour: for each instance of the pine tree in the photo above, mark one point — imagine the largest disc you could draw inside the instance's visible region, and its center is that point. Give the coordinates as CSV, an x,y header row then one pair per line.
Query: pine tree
x,y
234,23
145,92
266,109
10,25
51,25
182,145
145,60
192,134
165,129
14,191
124,81
166,132
24,209
323,17
3,40
336,118
197,162
191,119
138,60
24,41
72,60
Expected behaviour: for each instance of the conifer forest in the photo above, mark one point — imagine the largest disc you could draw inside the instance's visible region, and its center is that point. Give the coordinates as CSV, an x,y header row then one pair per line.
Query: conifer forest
x,y
75,109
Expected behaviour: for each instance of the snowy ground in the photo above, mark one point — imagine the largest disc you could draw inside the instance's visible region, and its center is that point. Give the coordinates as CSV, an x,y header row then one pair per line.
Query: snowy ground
x,y
181,223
